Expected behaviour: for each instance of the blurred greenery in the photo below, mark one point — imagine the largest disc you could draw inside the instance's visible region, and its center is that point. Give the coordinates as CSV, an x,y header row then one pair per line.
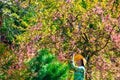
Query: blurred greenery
x,y
45,66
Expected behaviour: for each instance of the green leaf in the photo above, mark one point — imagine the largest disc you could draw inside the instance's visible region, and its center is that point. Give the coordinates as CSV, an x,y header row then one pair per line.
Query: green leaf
x,y
83,4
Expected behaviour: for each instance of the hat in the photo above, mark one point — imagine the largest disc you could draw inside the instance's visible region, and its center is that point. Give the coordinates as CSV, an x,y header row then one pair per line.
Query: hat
x,y
79,57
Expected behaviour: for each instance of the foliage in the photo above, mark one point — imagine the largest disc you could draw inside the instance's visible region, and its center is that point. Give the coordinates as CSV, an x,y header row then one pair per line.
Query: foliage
x,y
45,66
7,59
15,20
91,28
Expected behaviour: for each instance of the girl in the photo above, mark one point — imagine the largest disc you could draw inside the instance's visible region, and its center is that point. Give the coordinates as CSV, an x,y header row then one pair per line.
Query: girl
x,y
78,63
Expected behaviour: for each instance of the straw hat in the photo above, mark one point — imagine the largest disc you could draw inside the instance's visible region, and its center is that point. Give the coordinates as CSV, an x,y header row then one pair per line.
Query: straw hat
x,y
79,57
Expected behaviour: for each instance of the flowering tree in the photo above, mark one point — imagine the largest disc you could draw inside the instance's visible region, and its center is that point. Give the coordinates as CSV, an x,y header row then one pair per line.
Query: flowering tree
x,y
68,26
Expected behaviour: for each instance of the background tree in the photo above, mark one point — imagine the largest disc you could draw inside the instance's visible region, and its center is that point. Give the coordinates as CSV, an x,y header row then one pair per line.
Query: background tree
x,y
65,27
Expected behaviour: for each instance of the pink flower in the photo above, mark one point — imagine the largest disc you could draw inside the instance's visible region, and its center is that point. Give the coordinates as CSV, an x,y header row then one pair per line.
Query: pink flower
x,y
29,49
114,21
40,24
72,42
68,1
36,28
61,57
108,17
98,10
103,19
53,38
115,38
55,18
36,38
110,28
16,0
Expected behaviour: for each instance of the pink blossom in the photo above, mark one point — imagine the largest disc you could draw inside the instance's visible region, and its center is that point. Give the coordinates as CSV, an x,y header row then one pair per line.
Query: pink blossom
x,y
16,0
61,57
36,38
55,18
103,19
98,10
72,42
108,17
115,38
36,28
40,24
110,28
30,49
79,51
114,21
53,38
68,1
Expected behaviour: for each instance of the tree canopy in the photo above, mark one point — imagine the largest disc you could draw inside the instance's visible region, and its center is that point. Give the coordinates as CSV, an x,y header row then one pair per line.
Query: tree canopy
x,y
64,27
